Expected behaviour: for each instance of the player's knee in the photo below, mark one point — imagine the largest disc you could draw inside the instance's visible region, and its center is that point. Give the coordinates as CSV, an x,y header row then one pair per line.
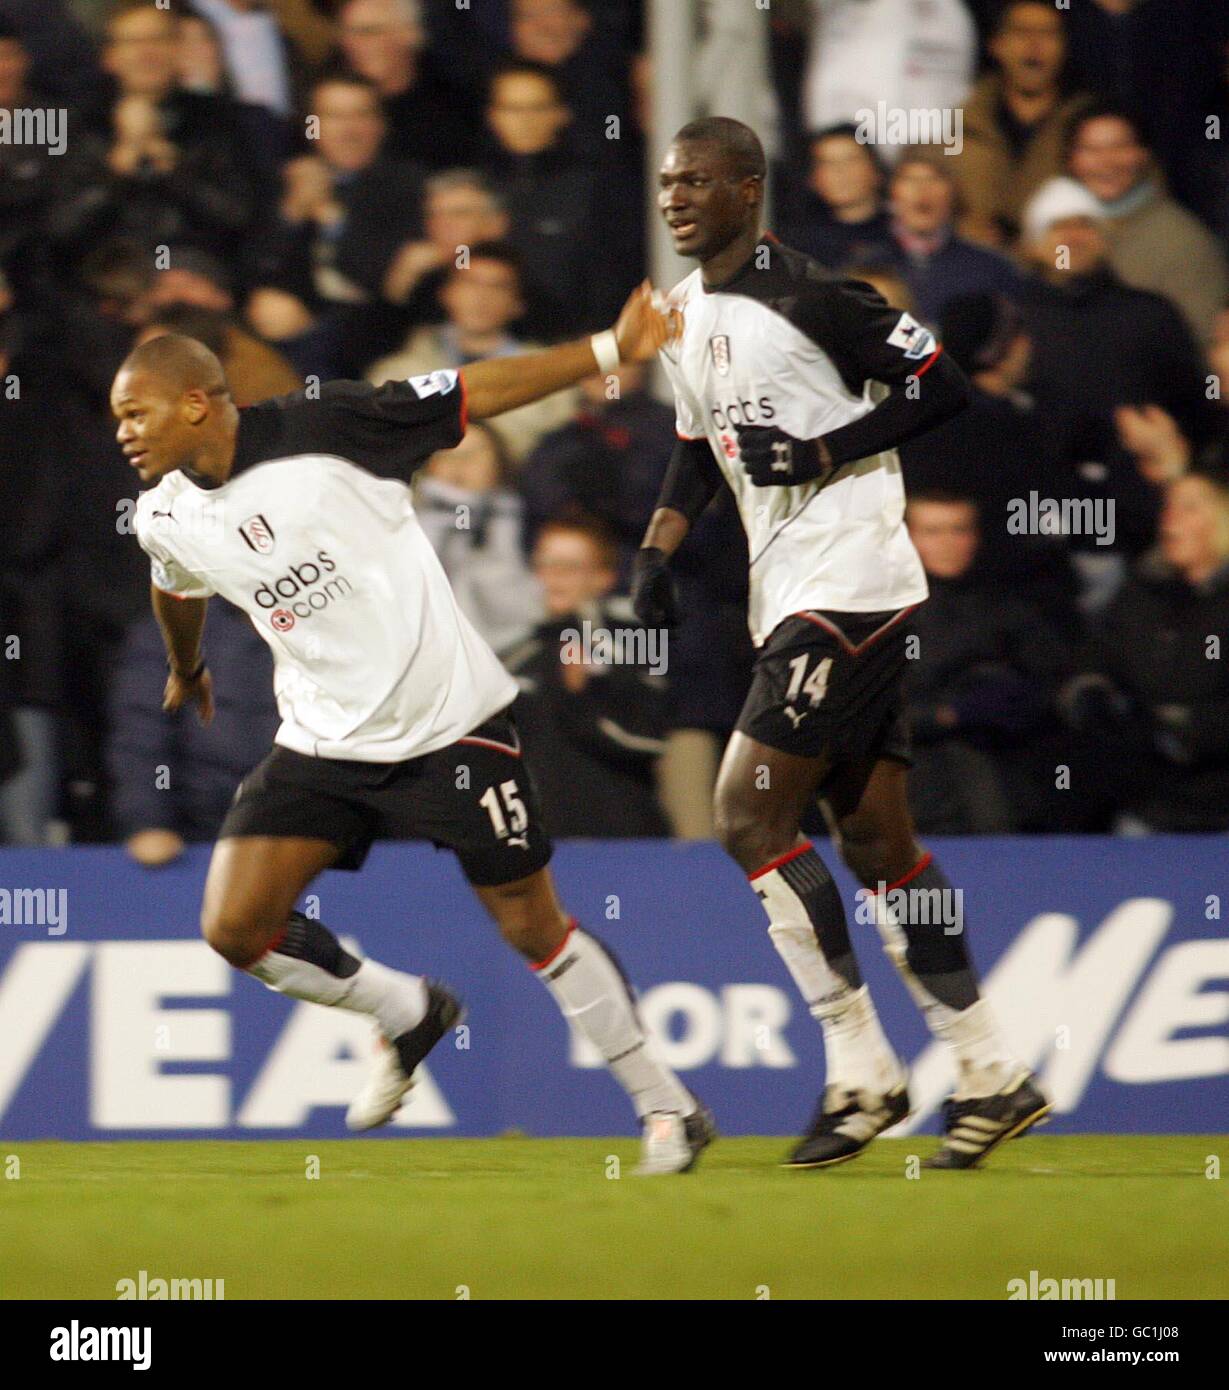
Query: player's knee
x,y
874,857
751,840
239,937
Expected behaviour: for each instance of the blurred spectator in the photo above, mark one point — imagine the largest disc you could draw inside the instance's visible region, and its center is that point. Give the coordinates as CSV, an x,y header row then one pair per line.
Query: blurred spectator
x,y
593,717
30,176
460,209
254,371
1099,344
165,165
259,57
1015,121
201,67
481,300
33,507
430,121
1164,61
345,213
476,523
935,262
982,680
173,777
995,452
841,217
64,63
587,48
1154,243
908,54
1153,691
608,462
572,222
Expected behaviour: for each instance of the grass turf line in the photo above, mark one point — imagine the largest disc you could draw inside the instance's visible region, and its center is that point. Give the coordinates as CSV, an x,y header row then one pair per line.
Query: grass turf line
x,y
516,1218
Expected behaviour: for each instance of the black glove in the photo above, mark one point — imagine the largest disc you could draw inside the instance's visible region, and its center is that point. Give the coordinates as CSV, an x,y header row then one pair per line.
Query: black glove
x,y
773,458
654,596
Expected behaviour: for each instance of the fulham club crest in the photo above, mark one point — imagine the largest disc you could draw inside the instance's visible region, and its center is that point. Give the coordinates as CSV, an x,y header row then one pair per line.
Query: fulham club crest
x,y
258,534
720,348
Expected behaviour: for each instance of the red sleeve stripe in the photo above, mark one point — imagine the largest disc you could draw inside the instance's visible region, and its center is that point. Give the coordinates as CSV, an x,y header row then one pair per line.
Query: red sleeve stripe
x,y
930,361
689,438
183,598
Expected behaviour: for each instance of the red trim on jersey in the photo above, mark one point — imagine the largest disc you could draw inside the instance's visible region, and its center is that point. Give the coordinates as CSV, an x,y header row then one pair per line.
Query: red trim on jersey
x,y
905,878
689,438
930,361
183,598
464,403
776,863
558,951
846,644
491,743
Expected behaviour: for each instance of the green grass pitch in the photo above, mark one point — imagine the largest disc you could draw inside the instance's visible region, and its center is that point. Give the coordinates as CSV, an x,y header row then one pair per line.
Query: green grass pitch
x,y
526,1218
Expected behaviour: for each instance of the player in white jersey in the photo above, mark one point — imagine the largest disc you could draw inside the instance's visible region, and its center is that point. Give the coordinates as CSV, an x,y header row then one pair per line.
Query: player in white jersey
x,y
394,711
794,389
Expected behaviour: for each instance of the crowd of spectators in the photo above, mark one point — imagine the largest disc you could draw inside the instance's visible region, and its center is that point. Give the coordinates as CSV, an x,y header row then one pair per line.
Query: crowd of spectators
x,y
382,188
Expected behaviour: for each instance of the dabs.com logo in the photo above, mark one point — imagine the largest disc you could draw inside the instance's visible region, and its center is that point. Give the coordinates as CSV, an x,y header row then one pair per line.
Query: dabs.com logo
x,y
302,591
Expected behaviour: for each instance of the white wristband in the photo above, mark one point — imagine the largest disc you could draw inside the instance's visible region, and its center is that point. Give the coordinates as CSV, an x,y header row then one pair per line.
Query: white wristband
x,y
606,349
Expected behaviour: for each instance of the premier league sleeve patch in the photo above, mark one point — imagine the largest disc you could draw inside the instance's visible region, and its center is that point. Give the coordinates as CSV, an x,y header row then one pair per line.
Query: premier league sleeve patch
x,y
913,340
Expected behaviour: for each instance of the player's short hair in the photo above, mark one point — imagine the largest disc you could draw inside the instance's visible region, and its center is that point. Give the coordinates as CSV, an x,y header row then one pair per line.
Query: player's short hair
x,y
574,520
737,142
526,67
180,363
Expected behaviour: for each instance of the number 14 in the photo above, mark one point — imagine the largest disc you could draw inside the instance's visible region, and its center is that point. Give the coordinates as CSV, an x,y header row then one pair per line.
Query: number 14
x,y
817,684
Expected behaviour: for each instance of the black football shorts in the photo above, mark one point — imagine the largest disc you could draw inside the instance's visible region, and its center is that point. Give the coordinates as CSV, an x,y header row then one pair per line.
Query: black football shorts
x,y
474,797
830,684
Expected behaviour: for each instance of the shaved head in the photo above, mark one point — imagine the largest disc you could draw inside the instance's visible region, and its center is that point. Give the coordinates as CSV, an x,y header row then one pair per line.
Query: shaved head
x,y
174,409
178,364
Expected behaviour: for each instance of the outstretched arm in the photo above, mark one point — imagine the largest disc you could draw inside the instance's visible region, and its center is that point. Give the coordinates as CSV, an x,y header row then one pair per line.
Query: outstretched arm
x,y
503,383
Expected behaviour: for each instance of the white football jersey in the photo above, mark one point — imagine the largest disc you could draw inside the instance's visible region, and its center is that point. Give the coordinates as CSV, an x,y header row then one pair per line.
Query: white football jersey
x,y
314,536
784,344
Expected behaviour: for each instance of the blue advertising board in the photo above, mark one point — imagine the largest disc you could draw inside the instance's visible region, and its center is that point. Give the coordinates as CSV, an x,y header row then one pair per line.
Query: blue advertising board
x,y
1107,962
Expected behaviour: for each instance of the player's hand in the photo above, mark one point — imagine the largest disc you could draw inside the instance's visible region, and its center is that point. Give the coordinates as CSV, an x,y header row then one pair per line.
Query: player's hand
x,y
181,691
773,458
654,594
646,324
